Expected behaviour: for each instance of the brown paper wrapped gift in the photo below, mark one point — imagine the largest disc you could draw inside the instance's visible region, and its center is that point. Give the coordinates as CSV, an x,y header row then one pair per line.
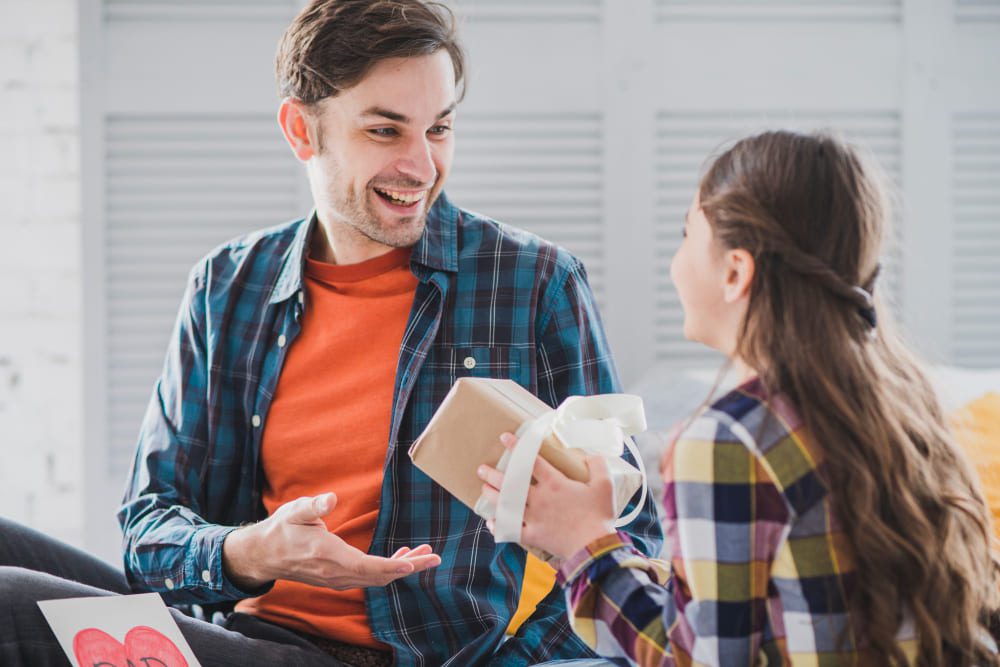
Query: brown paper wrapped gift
x,y
465,433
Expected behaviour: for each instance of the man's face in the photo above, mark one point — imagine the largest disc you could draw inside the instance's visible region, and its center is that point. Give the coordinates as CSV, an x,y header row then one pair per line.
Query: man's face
x,y
385,148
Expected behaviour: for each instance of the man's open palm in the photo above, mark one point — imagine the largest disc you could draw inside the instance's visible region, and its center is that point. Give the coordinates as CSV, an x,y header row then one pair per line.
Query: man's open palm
x,y
294,544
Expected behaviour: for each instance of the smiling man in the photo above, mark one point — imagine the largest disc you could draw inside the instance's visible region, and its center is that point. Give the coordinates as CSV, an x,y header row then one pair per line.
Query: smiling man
x,y
271,468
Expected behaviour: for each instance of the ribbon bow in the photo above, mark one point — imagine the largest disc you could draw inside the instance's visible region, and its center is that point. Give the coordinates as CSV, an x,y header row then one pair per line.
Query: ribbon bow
x,y
599,424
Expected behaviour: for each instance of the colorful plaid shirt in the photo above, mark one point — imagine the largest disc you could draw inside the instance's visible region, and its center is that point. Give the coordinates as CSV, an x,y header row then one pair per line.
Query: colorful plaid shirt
x,y
758,570
519,307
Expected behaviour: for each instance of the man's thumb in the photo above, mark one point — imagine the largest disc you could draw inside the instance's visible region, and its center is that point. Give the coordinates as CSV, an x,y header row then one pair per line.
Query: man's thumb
x,y
306,510
324,503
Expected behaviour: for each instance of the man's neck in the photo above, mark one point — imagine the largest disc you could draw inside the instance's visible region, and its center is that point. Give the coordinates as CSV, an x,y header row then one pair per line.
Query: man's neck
x,y
336,243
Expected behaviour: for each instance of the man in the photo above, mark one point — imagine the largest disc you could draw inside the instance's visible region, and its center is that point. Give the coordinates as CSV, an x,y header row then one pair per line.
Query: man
x,y
272,465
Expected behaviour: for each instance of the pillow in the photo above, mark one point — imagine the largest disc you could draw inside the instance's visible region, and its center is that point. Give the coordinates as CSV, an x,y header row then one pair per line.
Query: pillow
x,y
977,428
957,386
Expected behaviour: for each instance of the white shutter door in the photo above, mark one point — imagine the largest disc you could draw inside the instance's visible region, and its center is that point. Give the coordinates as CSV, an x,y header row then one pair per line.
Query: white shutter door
x,y
529,136
733,68
194,10
778,10
541,172
177,186
973,115
977,11
188,155
522,12
976,248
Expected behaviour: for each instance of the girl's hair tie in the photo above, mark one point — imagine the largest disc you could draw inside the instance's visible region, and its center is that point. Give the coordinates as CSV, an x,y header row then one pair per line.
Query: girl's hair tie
x,y
867,311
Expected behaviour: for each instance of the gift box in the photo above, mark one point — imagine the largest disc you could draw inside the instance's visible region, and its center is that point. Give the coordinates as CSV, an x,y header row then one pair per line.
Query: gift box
x,y
465,432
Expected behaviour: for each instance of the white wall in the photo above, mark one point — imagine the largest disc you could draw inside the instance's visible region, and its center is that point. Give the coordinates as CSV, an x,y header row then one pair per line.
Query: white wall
x,y
41,404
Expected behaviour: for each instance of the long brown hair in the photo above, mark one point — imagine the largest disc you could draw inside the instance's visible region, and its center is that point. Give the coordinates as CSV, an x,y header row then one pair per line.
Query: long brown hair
x,y
812,212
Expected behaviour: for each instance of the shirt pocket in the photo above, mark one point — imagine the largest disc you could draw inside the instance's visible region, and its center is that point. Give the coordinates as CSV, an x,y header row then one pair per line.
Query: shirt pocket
x,y
451,362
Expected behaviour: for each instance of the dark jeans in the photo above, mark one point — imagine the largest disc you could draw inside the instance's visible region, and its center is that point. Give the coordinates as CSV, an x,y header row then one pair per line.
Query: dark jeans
x,y
35,567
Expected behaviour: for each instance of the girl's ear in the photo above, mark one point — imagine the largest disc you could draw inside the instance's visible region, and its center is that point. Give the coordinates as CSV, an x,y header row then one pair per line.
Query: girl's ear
x,y
740,268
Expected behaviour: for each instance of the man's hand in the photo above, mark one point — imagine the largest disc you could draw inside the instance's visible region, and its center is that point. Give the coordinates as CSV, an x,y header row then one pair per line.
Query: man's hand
x,y
294,544
561,515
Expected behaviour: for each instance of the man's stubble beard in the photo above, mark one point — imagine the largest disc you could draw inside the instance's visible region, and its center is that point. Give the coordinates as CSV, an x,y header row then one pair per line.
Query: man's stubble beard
x,y
360,213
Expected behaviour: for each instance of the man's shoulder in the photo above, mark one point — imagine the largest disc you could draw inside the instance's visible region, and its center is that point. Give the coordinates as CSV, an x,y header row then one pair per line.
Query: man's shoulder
x,y
485,237
259,253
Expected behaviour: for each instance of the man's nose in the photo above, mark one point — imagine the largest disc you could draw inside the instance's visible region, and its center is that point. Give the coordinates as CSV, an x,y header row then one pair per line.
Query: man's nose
x,y
418,161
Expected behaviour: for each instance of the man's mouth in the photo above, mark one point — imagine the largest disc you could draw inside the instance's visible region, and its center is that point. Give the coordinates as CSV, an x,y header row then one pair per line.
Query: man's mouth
x,y
401,198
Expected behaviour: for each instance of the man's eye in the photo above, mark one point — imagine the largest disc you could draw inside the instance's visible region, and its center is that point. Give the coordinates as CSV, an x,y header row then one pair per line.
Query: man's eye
x,y
440,130
384,131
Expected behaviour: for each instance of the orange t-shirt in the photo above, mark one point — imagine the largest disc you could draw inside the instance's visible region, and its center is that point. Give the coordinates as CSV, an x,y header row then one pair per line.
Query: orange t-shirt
x,y
328,426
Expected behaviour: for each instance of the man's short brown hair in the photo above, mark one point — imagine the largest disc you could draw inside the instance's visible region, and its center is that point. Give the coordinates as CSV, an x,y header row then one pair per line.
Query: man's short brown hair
x,y
332,44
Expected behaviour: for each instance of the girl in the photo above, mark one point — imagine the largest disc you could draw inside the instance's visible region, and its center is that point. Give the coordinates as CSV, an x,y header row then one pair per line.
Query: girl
x,y
819,513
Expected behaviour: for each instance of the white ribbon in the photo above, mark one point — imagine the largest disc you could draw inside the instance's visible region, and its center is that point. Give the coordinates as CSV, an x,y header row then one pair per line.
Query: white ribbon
x,y
595,424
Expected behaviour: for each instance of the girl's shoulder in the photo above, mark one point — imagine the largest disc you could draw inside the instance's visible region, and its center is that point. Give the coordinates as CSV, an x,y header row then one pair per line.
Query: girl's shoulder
x,y
747,414
764,430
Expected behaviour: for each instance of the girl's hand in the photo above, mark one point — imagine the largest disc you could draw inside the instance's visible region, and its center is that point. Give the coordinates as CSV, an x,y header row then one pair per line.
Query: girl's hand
x,y
561,516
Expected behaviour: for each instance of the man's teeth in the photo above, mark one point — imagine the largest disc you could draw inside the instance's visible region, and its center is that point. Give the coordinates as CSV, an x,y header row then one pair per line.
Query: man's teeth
x,y
402,197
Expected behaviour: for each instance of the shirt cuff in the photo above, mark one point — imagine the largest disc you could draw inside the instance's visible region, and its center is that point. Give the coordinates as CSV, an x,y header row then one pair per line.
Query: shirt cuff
x,y
572,567
204,570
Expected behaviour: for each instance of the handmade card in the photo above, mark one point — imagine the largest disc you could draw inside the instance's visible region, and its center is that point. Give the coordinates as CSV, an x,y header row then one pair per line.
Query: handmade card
x,y
118,631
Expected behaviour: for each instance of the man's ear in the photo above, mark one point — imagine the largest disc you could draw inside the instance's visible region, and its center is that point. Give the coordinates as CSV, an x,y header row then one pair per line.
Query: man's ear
x,y
740,270
297,128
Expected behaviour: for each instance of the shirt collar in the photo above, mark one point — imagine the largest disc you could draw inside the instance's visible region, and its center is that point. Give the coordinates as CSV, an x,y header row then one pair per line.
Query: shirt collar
x,y
437,248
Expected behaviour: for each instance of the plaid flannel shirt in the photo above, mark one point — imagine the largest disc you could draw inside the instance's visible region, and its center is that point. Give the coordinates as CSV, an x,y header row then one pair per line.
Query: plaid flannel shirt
x,y
520,307
758,571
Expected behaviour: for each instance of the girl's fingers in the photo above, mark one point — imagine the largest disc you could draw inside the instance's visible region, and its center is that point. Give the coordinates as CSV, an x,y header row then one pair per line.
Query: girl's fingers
x,y
545,471
491,495
491,476
598,467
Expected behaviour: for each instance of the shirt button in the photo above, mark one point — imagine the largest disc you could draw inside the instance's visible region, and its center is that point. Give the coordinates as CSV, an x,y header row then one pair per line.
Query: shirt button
x,y
255,421
169,583
206,576
469,363
282,340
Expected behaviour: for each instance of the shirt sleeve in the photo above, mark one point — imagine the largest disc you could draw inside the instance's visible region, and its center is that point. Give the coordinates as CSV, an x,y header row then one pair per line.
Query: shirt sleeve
x,y
168,547
707,604
573,359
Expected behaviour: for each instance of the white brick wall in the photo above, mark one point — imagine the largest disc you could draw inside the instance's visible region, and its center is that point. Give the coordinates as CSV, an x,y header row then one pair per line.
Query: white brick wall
x,y
41,390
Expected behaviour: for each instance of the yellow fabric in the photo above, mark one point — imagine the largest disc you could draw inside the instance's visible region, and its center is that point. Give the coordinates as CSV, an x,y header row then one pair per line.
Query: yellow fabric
x,y
977,426
539,578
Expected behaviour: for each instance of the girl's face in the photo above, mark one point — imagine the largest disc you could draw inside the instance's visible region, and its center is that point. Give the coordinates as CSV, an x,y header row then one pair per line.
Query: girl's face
x,y
712,283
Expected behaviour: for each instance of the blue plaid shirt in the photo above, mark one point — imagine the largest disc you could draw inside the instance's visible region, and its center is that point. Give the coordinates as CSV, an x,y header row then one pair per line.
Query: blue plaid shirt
x,y
519,306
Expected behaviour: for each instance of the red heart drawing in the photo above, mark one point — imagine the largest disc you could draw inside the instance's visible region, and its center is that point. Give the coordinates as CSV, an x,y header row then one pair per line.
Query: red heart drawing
x,y
143,647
